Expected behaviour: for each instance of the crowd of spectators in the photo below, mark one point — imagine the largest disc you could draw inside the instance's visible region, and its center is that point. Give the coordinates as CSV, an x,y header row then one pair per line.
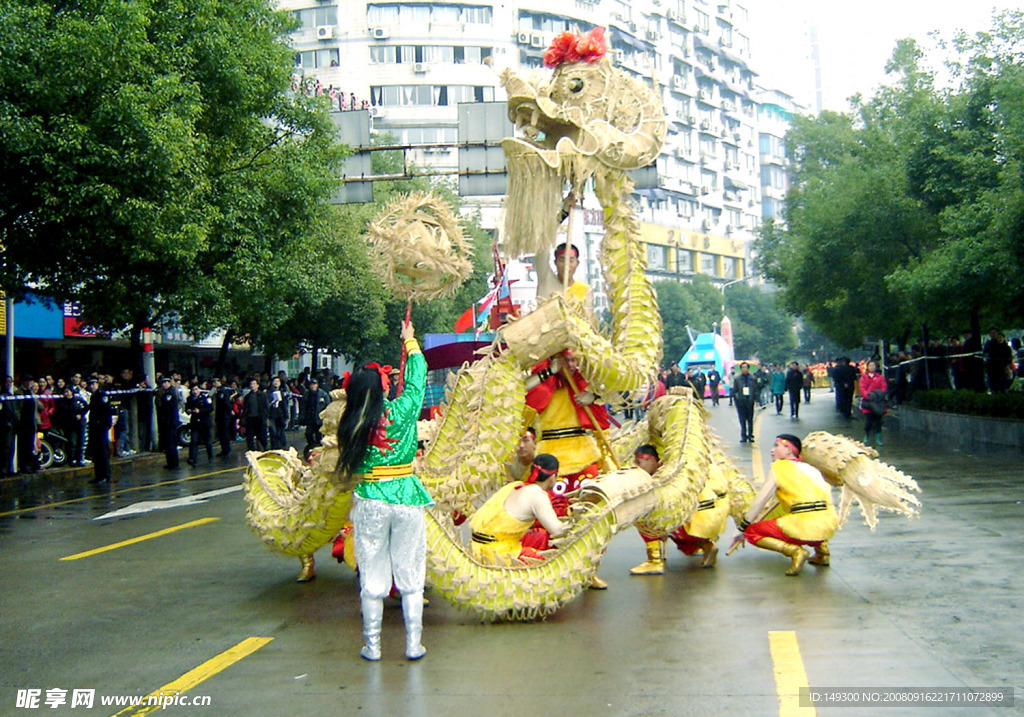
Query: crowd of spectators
x,y
56,410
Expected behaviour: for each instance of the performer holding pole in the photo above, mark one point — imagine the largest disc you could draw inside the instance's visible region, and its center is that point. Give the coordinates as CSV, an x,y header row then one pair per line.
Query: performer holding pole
x,y
377,440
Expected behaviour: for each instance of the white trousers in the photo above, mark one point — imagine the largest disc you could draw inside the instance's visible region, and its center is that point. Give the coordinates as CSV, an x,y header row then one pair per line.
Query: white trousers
x,y
391,544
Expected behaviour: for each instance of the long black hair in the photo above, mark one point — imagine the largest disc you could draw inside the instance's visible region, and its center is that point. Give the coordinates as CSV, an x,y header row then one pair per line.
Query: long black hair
x,y
364,406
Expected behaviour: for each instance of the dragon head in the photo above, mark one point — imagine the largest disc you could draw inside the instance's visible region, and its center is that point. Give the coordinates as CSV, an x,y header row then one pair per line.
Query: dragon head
x,y
586,116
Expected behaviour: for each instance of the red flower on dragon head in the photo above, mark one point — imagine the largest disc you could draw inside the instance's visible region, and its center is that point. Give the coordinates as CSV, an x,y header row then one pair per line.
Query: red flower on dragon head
x,y
568,48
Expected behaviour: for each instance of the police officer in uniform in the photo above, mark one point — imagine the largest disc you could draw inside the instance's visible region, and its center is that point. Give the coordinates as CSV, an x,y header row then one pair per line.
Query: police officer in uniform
x,y
199,408
101,418
224,399
167,418
313,404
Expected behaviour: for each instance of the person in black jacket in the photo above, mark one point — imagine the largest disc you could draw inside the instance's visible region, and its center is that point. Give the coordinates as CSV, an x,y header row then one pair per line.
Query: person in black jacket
x,y
314,402
844,376
255,410
168,420
101,418
744,386
794,386
199,407
278,397
224,400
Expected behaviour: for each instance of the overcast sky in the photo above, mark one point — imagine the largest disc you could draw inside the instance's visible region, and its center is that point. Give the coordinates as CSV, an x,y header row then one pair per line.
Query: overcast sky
x,y
856,39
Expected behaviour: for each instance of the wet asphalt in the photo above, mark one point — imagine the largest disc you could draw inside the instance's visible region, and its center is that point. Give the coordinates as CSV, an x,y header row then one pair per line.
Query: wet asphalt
x,y
928,603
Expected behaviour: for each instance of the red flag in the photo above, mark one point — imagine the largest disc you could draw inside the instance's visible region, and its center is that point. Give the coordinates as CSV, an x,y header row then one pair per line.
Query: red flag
x,y
465,321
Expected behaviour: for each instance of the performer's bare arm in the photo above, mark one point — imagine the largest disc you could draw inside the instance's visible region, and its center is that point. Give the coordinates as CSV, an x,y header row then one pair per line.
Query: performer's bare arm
x,y
532,501
757,510
547,280
764,494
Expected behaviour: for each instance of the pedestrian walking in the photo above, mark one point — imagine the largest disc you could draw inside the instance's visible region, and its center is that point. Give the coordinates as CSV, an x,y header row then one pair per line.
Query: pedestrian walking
x,y
794,386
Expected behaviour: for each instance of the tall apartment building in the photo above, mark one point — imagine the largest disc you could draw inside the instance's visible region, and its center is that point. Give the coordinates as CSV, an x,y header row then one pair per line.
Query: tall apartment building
x,y
411,63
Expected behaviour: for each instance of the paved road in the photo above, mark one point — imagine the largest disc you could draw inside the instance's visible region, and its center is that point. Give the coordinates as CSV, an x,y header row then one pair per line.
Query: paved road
x,y
928,603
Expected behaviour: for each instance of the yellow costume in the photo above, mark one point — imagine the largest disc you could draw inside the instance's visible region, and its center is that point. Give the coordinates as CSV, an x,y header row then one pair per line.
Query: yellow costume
x,y
708,521
495,531
574,452
807,500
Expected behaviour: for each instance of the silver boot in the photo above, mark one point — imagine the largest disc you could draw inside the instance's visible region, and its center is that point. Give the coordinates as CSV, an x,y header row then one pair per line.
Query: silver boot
x,y
412,609
373,614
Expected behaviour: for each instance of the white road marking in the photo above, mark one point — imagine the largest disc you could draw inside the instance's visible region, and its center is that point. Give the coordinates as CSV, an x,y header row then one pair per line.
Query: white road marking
x,y
148,506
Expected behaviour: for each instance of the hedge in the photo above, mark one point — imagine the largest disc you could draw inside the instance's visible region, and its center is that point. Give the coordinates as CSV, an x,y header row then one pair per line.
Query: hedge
x,y
971,403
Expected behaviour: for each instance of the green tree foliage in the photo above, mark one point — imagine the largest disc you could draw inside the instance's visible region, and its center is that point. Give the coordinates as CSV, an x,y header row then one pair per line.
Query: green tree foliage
x,y
910,211
153,162
759,327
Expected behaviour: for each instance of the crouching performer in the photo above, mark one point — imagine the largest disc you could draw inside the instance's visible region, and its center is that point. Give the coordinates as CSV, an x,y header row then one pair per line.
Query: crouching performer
x,y
700,532
500,524
806,502
377,441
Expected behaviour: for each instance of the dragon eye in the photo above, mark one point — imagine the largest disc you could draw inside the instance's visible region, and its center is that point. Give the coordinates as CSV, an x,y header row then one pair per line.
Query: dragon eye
x,y
575,84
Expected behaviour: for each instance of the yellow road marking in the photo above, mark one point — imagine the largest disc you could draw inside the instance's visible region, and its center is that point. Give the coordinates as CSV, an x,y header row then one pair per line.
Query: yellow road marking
x,y
206,670
790,676
147,536
118,492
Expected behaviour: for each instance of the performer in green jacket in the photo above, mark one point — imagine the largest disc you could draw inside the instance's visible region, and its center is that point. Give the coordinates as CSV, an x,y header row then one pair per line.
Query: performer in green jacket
x,y
377,439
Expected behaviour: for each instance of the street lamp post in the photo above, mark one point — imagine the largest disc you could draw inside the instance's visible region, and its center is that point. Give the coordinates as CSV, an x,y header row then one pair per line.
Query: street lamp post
x,y
730,283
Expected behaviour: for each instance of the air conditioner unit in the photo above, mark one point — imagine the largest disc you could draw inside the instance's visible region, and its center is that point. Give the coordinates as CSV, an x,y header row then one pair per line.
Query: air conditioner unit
x,y
420,67
618,55
537,40
632,26
523,38
653,35
376,111
705,190
705,124
381,33
324,32
678,82
690,120
672,15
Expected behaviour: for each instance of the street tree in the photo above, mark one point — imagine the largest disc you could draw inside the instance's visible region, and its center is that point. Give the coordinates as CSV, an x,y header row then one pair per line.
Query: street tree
x,y
153,161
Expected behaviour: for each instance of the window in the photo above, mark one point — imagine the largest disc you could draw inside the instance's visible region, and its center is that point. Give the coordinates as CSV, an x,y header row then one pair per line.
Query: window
x,y
445,14
318,58
684,259
707,264
476,15
382,15
312,17
438,53
703,21
415,15
657,257
383,54
430,95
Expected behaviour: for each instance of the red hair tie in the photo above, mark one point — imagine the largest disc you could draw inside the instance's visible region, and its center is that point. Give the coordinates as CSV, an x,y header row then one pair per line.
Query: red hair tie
x,y
382,371
568,48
